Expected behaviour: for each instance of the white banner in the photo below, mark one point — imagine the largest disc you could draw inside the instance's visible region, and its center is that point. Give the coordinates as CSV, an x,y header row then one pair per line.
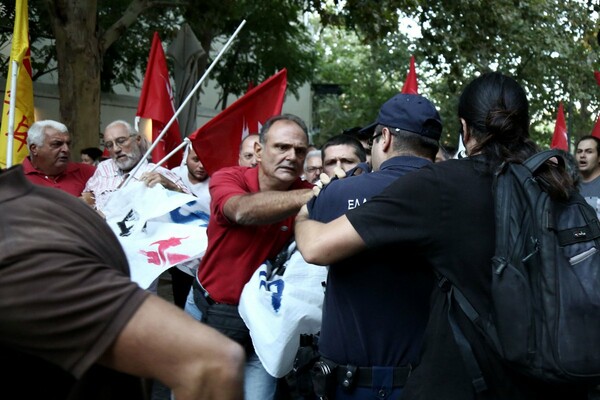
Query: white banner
x,y
158,228
277,309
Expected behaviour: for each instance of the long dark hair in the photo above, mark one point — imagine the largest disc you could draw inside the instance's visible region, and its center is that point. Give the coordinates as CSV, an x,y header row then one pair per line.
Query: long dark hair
x,y
496,112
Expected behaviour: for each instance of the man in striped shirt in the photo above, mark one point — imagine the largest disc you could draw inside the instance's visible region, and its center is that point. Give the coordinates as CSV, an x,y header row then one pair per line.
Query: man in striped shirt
x,y
126,148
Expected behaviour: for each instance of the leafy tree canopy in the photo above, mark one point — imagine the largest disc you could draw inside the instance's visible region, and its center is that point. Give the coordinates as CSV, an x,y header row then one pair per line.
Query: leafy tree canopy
x,y
549,46
102,44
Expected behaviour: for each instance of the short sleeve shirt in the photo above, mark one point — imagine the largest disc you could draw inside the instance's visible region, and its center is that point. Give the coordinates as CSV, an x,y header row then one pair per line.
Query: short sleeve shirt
x,y
72,181
376,305
235,251
65,290
444,215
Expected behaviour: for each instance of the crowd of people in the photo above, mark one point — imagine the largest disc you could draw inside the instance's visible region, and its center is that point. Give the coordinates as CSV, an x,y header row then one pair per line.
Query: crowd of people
x,y
382,207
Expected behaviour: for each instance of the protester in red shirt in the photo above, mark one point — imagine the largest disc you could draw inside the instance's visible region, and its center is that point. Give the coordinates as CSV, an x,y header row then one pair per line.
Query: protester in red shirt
x,y
49,163
251,220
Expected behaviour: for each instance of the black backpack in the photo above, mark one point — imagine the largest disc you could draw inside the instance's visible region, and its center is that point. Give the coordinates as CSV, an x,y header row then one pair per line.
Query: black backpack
x,y
545,315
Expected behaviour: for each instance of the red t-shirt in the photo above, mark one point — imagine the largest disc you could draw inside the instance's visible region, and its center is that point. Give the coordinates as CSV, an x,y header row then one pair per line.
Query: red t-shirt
x,y
72,181
235,251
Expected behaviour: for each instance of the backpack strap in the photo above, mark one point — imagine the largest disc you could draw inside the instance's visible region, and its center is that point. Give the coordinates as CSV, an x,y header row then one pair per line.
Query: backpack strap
x,y
537,160
466,351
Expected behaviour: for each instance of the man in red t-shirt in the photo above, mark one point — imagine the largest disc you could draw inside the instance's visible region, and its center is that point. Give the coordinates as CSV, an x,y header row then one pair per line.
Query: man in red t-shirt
x,y
49,164
252,215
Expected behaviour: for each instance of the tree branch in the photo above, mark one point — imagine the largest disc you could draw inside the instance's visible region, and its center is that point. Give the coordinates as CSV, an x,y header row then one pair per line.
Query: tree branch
x,y
114,32
46,61
131,14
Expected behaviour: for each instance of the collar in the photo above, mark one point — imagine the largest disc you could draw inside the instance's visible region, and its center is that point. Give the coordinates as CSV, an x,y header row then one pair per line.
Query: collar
x,y
29,169
145,165
112,168
405,161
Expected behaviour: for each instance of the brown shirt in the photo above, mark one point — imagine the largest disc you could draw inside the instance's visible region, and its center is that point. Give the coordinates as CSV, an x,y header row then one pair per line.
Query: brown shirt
x,y
65,292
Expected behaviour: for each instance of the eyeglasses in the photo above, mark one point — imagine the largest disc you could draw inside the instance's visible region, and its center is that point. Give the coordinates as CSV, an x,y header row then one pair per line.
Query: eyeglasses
x,y
313,169
372,138
118,142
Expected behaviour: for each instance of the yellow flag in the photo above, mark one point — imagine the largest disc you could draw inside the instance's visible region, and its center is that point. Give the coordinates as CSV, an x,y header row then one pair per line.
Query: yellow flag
x,y
23,116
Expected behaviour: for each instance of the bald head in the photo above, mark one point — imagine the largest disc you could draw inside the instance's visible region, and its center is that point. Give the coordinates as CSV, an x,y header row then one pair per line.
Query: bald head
x,y
247,157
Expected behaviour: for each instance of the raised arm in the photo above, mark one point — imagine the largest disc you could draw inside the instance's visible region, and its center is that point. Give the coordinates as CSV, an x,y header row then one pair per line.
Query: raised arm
x,y
164,343
324,244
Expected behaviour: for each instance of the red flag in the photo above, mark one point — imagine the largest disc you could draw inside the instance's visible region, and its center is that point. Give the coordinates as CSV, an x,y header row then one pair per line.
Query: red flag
x,y
156,103
596,130
597,76
410,85
217,142
559,139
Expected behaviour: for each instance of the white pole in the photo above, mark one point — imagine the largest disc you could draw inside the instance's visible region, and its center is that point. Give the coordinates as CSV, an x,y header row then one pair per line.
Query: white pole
x,y
11,114
185,142
157,140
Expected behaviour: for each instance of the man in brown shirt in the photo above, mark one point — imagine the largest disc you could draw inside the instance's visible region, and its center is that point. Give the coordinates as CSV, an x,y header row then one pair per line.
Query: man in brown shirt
x,y
70,315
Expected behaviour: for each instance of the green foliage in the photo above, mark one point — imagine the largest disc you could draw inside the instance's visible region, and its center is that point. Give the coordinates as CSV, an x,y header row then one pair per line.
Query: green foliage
x,y
541,43
39,35
550,46
367,75
125,61
273,38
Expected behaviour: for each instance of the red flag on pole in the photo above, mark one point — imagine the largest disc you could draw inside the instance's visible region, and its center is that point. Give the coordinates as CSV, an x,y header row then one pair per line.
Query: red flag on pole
x,y
410,85
596,130
217,142
559,139
156,103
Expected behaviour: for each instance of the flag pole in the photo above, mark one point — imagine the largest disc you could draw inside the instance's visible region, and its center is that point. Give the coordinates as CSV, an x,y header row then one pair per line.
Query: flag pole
x,y
184,143
187,99
11,113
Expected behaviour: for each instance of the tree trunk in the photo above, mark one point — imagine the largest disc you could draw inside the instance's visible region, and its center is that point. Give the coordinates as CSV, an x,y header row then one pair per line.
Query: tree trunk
x,y
79,61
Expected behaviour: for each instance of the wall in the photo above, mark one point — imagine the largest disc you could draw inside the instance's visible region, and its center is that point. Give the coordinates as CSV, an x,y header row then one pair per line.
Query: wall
x,y
123,105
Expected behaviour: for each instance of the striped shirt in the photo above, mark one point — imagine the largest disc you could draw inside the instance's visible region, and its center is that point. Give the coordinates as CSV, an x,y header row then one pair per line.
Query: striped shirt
x,y
108,177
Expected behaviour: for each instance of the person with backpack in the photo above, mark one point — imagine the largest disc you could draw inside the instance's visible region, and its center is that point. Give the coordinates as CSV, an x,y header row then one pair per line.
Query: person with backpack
x,y
445,215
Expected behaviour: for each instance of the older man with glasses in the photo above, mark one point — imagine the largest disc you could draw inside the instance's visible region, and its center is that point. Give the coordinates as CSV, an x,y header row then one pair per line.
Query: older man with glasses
x,y
126,148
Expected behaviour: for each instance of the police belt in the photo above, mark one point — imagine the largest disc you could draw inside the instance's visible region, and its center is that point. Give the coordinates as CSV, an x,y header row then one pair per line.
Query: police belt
x,y
348,375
